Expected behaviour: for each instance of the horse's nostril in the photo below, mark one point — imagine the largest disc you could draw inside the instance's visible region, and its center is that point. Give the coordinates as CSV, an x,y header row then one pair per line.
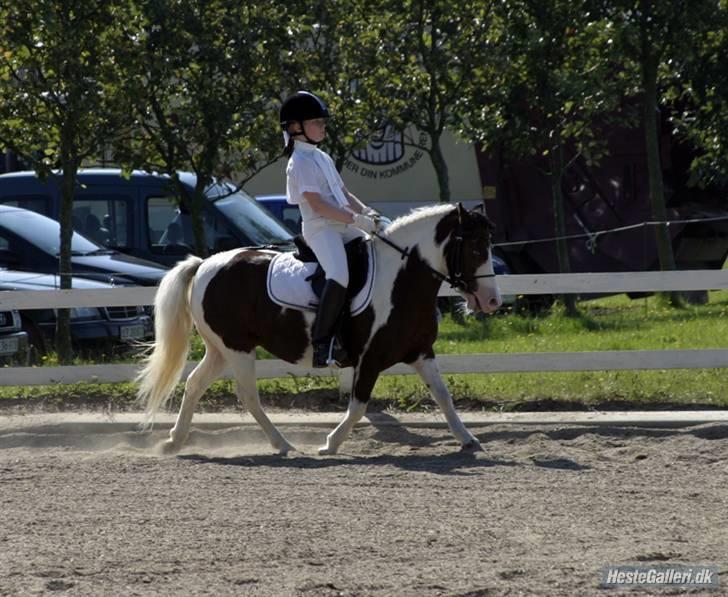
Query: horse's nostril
x,y
494,302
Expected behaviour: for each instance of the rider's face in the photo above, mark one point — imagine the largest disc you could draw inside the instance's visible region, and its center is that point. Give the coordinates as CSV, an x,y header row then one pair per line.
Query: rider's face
x,y
315,129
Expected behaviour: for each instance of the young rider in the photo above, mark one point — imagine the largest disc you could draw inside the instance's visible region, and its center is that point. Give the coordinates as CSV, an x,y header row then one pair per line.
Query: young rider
x,y
331,215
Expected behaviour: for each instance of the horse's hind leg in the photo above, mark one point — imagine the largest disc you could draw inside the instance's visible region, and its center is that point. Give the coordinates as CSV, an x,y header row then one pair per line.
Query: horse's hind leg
x,y
208,369
430,374
247,392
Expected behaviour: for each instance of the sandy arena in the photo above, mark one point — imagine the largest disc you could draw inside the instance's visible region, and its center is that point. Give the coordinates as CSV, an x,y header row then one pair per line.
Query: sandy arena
x,y
400,512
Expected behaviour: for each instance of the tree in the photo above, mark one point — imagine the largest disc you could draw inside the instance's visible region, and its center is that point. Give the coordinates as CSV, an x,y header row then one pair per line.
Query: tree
x,y
336,50
203,75
440,52
60,101
655,37
548,90
697,93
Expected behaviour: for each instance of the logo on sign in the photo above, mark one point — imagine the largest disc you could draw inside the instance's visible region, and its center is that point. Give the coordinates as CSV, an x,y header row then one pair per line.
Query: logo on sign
x,y
386,146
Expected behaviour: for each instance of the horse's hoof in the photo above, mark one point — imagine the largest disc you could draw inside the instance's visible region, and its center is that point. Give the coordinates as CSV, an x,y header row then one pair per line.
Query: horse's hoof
x,y
326,451
168,448
284,450
472,446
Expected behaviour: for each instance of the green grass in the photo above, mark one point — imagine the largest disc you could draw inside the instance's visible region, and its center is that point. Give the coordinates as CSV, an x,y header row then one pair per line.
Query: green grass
x,y
613,323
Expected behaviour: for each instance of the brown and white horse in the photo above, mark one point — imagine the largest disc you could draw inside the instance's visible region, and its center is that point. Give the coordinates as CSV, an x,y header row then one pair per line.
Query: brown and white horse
x,y
225,297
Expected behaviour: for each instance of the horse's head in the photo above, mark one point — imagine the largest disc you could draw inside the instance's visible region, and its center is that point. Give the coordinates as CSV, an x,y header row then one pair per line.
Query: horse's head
x,y
467,253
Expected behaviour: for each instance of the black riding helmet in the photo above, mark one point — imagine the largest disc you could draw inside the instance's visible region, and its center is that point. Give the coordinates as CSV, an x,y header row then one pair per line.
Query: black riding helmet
x,y
301,106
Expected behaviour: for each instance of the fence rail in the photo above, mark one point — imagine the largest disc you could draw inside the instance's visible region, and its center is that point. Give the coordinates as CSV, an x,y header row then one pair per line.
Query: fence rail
x,y
450,364
486,363
607,283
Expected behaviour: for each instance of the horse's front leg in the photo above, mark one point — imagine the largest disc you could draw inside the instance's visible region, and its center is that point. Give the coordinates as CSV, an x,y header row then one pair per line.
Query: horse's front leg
x,y
430,374
362,390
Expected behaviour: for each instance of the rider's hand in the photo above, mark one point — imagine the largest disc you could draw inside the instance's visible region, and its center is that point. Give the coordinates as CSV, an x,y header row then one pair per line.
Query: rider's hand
x,y
381,221
365,223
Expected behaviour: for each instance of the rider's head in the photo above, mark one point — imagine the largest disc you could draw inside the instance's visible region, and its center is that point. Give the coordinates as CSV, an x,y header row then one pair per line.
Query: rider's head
x,y
304,115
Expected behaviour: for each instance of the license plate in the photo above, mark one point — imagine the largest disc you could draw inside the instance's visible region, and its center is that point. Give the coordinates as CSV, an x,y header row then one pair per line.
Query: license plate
x,y
131,332
9,345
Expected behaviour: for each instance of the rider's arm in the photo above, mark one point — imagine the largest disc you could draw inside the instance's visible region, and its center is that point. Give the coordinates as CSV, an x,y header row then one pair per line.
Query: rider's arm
x,y
354,202
322,208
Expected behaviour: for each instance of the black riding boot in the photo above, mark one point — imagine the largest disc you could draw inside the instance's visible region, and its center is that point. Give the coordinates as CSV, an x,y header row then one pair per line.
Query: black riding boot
x,y
333,298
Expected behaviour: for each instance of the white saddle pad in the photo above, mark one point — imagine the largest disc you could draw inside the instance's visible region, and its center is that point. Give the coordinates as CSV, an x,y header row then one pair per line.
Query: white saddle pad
x,y
288,287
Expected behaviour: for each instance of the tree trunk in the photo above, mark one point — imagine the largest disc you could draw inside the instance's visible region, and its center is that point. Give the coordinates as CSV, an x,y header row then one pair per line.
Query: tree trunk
x,y
193,201
562,246
65,269
654,168
440,166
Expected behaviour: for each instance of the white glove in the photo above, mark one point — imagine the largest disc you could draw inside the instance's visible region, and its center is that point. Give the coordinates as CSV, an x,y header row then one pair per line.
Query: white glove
x,y
381,221
365,223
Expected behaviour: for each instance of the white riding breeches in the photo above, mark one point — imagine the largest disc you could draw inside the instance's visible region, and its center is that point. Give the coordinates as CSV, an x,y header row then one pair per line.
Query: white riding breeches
x,y
328,245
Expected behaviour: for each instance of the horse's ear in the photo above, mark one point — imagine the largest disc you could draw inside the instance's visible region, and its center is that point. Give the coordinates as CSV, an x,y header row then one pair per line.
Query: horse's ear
x,y
461,213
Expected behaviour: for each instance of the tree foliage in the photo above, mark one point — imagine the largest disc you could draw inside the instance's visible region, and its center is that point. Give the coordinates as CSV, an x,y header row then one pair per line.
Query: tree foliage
x,y
172,85
439,55
202,78
60,97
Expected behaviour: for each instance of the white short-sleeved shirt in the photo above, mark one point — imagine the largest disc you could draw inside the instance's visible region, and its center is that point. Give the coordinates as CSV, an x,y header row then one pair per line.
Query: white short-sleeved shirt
x,y
303,175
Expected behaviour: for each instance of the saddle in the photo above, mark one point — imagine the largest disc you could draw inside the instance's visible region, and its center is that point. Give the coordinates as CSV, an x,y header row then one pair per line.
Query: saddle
x,y
296,280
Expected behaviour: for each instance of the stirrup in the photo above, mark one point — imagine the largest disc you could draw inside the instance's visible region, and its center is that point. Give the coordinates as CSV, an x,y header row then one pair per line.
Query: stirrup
x,y
324,354
336,356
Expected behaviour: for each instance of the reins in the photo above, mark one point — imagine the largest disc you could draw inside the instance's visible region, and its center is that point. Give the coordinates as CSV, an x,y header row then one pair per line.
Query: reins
x,y
455,280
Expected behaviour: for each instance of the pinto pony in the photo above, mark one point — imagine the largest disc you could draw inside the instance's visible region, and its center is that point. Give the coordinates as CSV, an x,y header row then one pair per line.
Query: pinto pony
x,y
225,297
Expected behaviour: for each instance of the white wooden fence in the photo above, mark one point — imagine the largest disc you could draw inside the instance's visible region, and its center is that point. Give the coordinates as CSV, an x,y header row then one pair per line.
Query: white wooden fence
x,y
472,363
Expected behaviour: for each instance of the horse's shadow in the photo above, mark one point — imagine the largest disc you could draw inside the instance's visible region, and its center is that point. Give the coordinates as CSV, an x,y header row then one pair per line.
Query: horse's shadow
x,y
455,464
389,430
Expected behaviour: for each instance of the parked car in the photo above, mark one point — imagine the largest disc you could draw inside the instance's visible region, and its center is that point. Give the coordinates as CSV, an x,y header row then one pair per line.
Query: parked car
x,y
141,216
91,327
31,242
13,340
284,212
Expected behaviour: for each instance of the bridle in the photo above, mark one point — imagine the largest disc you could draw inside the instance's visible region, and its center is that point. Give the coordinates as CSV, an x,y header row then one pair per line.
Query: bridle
x,y
455,279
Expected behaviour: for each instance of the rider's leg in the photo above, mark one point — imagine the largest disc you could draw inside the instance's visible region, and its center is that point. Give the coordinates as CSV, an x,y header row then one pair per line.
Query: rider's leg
x,y
329,310
328,245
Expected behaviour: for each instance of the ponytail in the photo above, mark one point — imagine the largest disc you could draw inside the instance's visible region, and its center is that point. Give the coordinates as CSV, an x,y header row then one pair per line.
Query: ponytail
x,y
288,150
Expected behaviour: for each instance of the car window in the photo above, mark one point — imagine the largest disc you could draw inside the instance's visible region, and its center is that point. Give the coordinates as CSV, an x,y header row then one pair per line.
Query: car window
x,y
170,229
103,220
37,203
257,225
42,232
292,218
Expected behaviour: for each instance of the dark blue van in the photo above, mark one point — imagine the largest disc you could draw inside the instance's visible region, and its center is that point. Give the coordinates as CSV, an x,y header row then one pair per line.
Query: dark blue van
x,y
283,211
140,216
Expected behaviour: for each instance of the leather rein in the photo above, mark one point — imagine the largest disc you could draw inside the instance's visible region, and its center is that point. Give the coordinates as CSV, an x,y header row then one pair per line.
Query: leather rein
x,y
455,278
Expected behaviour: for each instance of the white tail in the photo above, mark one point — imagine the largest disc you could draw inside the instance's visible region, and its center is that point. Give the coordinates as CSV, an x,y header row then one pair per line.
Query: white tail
x,y
172,328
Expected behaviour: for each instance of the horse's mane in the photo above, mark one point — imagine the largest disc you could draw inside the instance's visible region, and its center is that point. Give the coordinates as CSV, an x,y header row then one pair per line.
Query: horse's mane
x,y
417,215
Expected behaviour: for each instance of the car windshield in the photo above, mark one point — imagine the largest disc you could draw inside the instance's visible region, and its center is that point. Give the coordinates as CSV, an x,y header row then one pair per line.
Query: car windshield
x,y
44,233
256,223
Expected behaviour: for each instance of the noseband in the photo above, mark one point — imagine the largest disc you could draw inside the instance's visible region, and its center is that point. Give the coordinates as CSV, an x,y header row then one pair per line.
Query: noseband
x,y
454,266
